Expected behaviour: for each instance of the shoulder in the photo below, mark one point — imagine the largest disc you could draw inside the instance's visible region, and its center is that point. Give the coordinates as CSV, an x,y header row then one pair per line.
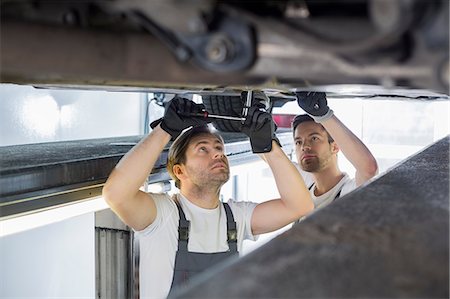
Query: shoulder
x,y
307,176
160,196
165,209
348,184
240,204
163,201
242,214
241,208
347,180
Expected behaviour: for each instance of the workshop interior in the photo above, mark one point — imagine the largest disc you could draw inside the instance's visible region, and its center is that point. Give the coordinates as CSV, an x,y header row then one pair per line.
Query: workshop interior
x,y
82,81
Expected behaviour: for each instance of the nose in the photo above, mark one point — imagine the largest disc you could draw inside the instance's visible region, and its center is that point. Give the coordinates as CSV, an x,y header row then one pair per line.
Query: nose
x,y
306,146
218,154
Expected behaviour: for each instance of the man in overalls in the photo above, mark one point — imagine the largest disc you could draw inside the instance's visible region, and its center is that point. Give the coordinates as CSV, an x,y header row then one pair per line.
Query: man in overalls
x,y
191,231
319,136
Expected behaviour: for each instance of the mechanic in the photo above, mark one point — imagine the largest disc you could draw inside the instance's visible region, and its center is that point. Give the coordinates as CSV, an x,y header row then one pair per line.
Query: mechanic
x,y
184,234
319,135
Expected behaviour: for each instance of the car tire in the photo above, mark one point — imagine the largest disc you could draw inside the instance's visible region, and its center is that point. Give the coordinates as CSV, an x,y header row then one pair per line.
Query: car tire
x,y
225,105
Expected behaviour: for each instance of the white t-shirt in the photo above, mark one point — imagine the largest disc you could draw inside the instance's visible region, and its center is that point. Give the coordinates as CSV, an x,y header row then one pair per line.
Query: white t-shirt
x,y
158,242
345,185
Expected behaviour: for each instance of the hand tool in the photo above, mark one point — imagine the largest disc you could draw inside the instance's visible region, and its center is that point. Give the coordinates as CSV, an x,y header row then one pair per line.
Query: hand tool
x,y
205,114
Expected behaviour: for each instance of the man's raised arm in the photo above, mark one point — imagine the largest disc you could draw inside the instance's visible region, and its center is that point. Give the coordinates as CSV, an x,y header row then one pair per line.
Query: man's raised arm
x,y
295,200
121,191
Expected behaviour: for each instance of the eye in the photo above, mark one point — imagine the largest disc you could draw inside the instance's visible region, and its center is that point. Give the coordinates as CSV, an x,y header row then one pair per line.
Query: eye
x,y
203,149
315,138
298,142
219,148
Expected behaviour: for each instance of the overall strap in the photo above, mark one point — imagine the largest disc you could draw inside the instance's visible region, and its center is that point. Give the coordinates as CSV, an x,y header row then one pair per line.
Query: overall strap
x,y
340,190
183,229
338,194
231,229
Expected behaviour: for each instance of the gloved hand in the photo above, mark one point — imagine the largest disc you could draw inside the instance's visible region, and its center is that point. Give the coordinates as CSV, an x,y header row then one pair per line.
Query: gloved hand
x,y
315,104
260,127
177,116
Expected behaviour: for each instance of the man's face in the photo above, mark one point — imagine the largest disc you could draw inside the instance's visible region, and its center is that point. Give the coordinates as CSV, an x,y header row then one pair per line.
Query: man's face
x,y
314,152
206,163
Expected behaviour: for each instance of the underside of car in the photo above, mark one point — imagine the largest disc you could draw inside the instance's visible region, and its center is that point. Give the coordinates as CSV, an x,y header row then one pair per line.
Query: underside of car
x,y
222,49
206,44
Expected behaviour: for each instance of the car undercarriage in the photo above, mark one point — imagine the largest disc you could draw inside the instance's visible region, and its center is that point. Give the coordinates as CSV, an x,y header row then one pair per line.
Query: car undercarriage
x,y
205,44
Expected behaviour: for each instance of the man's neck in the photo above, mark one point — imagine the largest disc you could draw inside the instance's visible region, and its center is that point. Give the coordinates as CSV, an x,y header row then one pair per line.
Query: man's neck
x,y
203,198
326,180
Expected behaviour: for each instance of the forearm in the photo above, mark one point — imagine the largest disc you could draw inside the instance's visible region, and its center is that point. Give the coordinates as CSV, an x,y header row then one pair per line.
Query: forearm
x,y
352,147
133,169
293,191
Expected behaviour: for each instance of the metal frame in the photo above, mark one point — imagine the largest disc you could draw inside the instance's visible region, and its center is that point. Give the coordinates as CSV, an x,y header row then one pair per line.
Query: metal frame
x,y
31,180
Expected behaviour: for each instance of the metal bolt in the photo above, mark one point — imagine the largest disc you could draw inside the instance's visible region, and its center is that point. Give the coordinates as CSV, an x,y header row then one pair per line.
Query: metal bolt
x,y
218,49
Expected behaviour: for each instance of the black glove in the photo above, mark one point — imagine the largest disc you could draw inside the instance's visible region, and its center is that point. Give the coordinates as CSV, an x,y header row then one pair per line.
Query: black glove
x,y
177,116
315,104
260,127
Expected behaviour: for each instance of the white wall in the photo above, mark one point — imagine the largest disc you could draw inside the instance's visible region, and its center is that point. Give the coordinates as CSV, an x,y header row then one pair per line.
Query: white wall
x,y
393,130
30,115
53,261
58,260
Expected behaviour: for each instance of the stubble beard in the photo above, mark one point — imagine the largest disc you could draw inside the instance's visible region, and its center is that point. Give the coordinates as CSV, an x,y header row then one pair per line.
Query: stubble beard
x,y
221,179
217,179
311,165
316,164
206,179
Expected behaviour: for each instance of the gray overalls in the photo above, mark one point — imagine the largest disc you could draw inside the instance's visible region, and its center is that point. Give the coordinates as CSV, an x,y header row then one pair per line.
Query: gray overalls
x,y
188,264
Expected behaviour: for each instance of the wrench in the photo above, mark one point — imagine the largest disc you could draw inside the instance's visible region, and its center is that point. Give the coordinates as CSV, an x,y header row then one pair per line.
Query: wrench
x,y
205,114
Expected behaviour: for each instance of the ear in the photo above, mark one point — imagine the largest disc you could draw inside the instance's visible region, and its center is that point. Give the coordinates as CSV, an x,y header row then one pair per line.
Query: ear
x,y
178,171
334,147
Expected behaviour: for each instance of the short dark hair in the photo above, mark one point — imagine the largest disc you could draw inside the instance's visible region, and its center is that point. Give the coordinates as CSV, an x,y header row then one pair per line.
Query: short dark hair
x,y
177,151
301,118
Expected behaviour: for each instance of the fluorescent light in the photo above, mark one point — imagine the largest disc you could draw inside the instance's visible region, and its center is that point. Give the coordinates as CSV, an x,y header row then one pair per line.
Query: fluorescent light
x,y
40,115
53,215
